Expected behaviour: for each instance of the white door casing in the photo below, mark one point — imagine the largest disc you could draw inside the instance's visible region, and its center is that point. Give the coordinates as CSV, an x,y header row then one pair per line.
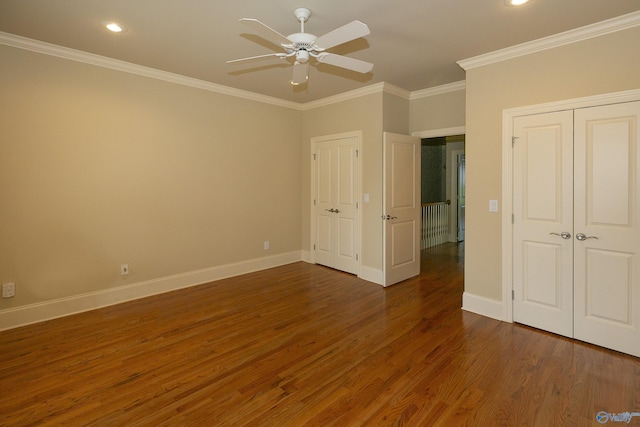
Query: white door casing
x,y
402,207
576,238
335,192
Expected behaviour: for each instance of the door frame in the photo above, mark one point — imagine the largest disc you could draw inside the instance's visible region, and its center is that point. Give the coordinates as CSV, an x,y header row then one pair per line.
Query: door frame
x,y
507,175
439,133
353,134
453,179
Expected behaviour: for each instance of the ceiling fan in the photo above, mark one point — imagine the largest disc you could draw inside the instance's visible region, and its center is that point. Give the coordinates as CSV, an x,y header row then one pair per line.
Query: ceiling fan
x,y
304,46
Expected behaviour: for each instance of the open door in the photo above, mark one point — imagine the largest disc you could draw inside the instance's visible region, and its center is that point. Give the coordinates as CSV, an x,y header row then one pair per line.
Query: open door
x,y
401,216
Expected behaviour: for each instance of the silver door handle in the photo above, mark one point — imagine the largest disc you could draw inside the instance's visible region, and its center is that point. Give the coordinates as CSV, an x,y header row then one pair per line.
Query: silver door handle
x,y
333,210
565,235
583,237
388,217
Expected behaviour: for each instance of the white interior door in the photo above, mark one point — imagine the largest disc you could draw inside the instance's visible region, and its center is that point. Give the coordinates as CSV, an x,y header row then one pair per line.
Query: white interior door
x,y
543,222
336,203
576,237
402,207
607,198
324,200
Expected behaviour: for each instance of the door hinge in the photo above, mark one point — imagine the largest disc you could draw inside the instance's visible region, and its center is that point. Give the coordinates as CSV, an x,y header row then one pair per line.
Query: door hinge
x,y
314,246
513,295
513,219
356,205
356,257
514,139
314,156
357,153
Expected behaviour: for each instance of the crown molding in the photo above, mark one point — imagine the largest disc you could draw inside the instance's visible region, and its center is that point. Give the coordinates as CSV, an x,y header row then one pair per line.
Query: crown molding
x,y
619,23
357,93
62,52
140,70
397,91
345,96
45,48
437,90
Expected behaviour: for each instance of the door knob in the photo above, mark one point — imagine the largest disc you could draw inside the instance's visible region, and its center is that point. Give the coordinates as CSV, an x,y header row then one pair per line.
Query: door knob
x,y
583,237
388,217
565,235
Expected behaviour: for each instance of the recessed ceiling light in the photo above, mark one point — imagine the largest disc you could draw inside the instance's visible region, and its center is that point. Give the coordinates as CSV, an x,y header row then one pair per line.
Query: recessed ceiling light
x,y
515,2
114,27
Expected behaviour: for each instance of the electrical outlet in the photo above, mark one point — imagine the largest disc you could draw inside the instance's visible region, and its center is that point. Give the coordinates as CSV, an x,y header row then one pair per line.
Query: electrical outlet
x,y
266,245
124,269
8,290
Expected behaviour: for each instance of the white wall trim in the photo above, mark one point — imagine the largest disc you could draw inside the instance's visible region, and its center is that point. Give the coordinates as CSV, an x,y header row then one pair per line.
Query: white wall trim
x,y
436,133
140,70
438,90
307,256
127,67
508,116
371,274
352,94
481,305
619,23
356,93
39,312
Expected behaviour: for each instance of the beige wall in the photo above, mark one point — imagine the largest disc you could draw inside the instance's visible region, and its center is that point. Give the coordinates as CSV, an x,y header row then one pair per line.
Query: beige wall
x,y
445,110
359,114
600,65
100,168
395,114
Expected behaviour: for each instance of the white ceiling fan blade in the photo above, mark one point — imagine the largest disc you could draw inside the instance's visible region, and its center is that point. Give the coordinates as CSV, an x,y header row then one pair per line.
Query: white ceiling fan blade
x,y
345,62
249,58
346,33
300,73
265,31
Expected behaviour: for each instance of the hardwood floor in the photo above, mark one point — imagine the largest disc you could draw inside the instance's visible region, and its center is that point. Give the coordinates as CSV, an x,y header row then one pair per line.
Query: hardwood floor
x,y
306,345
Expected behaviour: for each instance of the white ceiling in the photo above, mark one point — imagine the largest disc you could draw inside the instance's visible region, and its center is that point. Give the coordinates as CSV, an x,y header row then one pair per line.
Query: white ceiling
x,y
414,44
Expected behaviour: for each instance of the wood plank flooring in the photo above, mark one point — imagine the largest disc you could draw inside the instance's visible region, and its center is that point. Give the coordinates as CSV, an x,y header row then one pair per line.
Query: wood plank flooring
x,y
306,345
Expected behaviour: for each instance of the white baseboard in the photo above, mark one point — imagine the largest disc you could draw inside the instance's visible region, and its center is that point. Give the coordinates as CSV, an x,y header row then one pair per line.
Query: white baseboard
x,y
483,306
371,274
33,313
306,256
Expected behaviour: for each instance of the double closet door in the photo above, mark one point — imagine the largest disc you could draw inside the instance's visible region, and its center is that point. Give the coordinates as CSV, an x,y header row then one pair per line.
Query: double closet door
x,y
576,231
335,202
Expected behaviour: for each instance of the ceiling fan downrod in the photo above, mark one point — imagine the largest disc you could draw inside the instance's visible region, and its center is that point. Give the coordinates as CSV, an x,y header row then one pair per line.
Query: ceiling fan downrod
x,y
302,14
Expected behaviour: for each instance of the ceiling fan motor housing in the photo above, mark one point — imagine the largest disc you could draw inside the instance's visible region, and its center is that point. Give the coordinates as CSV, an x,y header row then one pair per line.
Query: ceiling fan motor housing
x,y
302,41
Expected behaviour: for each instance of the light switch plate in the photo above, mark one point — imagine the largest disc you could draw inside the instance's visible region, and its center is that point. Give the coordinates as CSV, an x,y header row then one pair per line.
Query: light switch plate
x,y
493,206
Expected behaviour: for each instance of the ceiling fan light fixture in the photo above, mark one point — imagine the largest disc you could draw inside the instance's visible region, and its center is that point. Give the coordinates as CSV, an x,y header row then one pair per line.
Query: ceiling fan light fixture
x,y
302,56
